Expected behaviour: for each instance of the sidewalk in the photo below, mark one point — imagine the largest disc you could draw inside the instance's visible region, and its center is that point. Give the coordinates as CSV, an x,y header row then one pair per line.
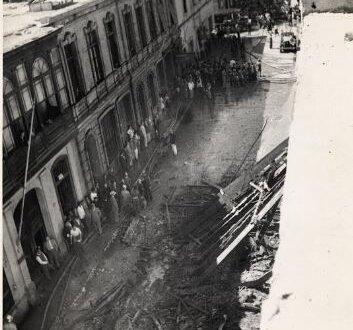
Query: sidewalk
x,y
95,246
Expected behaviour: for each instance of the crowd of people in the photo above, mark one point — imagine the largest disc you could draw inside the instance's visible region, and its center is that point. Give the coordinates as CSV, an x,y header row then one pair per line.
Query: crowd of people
x,y
110,202
203,77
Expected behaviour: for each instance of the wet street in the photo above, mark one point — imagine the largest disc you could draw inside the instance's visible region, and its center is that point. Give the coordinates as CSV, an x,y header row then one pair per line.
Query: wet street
x,y
211,147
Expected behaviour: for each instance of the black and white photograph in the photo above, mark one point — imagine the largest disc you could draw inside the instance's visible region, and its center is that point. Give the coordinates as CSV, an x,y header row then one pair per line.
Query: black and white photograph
x,y
177,165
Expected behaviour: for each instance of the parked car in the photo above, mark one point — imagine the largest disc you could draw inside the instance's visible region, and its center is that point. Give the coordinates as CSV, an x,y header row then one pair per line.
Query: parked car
x,y
289,42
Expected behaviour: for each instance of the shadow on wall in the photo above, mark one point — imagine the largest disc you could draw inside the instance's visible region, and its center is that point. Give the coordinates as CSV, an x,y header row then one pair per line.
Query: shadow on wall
x,y
336,6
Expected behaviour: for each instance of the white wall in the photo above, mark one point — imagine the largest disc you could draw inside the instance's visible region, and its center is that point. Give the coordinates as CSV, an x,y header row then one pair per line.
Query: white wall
x,y
312,276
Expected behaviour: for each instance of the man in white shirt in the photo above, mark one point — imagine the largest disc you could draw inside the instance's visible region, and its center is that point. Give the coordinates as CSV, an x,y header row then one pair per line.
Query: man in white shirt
x,y
162,103
52,251
81,213
191,86
76,241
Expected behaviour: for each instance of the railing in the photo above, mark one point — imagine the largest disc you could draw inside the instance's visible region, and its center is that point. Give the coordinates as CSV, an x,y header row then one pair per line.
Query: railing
x,y
63,128
47,141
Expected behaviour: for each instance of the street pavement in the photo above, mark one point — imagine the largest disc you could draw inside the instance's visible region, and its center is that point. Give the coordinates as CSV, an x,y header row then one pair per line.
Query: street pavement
x,y
211,147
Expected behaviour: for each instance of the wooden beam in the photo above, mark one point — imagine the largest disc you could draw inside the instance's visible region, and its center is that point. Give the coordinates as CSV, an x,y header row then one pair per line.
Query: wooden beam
x,y
250,227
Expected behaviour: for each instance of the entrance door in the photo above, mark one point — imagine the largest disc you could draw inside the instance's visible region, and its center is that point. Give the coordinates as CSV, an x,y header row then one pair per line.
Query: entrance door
x,y
92,151
64,185
33,231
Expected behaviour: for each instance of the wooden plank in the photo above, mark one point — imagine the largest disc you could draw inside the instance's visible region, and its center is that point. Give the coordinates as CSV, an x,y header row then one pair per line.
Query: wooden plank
x,y
250,227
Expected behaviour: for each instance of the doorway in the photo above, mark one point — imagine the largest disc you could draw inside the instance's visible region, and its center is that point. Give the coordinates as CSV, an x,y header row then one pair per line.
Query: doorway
x,y
64,184
33,230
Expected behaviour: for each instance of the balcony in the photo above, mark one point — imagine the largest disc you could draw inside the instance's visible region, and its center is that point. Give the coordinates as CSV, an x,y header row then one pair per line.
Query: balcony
x,y
54,136
44,145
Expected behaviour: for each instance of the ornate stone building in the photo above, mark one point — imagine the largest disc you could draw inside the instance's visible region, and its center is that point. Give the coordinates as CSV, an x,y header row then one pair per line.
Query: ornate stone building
x,y
87,71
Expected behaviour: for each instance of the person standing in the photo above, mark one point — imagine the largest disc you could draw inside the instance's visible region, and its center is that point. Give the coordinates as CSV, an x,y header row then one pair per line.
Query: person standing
x,y
259,67
136,145
52,251
130,151
146,183
162,103
172,140
148,131
76,240
67,230
209,97
77,222
125,200
9,324
135,196
94,195
43,262
96,216
81,213
123,161
143,134
105,197
157,124
140,187
127,155
127,181
87,208
130,132
114,208
191,87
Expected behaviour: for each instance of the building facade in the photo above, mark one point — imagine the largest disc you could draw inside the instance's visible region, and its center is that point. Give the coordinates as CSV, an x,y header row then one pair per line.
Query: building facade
x,y
195,21
84,75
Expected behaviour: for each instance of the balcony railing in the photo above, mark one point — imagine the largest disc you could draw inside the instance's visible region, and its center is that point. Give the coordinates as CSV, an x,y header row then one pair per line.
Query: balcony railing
x,y
46,142
54,136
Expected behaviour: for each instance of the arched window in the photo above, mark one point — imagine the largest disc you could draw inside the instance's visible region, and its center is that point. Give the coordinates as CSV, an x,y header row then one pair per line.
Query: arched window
x,y
151,20
152,89
112,39
26,97
47,106
59,78
94,53
141,24
13,124
129,30
73,65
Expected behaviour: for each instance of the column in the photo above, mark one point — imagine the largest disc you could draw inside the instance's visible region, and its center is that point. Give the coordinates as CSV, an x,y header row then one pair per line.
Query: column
x,y
50,207
15,264
76,170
